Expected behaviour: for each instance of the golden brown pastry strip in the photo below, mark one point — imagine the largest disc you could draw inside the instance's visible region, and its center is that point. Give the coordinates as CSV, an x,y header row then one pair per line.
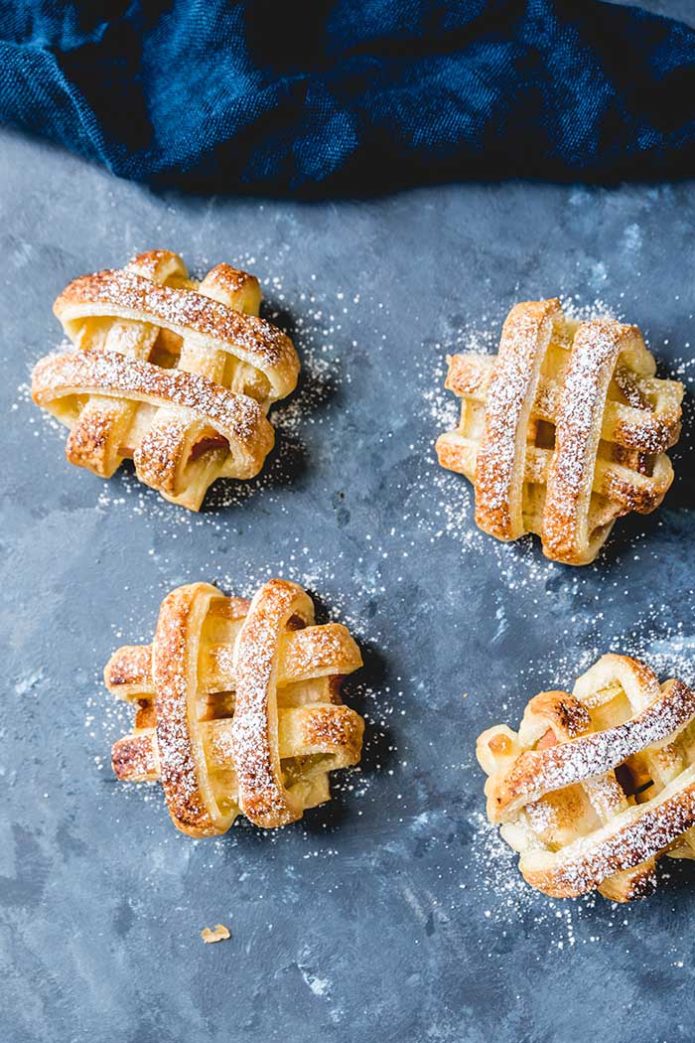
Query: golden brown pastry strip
x,y
597,785
171,364
563,431
239,706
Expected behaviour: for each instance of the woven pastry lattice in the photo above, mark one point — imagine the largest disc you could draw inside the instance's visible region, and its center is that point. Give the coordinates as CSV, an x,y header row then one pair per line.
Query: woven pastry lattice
x,y
176,374
597,785
238,706
563,431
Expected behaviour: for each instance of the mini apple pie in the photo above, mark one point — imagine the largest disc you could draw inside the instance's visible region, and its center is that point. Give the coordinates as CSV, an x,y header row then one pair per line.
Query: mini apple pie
x,y
177,374
238,707
563,431
597,785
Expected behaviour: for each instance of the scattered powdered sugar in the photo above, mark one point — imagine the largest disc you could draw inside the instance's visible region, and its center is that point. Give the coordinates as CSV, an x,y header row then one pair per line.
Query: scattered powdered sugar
x,y
180,309
667,645
662,640
594,348
511,904
318,327
450,506
238,416
437,505
108,719
587,756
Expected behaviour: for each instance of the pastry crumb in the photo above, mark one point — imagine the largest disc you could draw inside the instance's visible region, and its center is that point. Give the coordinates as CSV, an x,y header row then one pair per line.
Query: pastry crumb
x,y
218,933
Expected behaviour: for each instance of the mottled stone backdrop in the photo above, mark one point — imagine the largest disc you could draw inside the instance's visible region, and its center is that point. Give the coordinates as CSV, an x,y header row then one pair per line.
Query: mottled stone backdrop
x,y
394,913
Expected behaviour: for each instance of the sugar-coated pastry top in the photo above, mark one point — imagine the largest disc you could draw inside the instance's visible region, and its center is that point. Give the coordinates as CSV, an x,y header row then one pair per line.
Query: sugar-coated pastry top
x,y
597,785
563,431
238,706
177,374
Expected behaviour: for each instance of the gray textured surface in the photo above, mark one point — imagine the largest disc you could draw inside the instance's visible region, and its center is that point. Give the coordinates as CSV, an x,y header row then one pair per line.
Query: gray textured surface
x,y
681,10
393,914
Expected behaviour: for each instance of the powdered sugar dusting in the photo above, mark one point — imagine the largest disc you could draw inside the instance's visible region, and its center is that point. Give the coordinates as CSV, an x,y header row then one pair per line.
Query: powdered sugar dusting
x,y
450,509
544,771
180,310
237,416
513,382
437,510
263,795
249,747
665,643
553,486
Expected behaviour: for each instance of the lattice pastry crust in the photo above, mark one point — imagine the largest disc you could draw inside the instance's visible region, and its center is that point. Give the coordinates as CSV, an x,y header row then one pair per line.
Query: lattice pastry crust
x,y
238,707
597,785
563,431
177,374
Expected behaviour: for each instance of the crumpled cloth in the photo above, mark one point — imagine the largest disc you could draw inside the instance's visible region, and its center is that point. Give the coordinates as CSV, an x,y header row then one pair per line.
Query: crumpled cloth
x,y
354,96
